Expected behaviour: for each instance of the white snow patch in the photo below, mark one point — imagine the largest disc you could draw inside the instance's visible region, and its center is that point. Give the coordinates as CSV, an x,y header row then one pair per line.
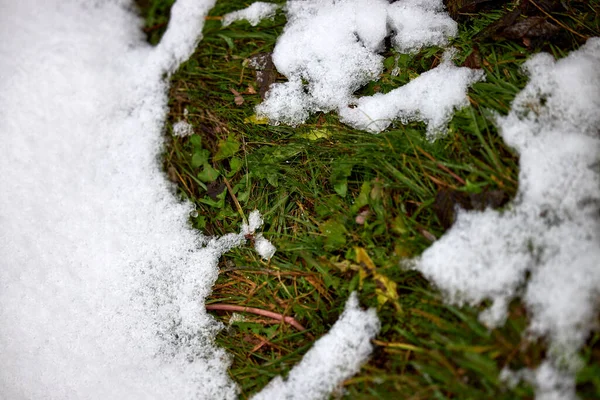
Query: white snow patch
x,y
549,382
264,247
432,97
420,23
329,49
551,232
255,221
333,358
102,281
182,128
254,13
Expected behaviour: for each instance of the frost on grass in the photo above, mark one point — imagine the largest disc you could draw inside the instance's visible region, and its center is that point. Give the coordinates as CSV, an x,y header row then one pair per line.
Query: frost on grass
x,y
333,358
102,281
253,14
330,49
544,248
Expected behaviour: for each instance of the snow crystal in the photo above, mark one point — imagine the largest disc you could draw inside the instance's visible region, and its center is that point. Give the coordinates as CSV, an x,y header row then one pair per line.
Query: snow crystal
x,y
103,281
253,14
333,358
544,247
329,49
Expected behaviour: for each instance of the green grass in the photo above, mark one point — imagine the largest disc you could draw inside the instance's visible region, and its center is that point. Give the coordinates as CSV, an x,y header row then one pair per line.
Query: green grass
x,y
312,182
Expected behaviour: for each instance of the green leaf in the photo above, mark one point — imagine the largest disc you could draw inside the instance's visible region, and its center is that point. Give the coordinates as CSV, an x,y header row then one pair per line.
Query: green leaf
x,y
341,188
283,153
273,179
196,141
227,40
335,234
208,174
242,189
235,164
363,197
341,170
200,222
200,157
227,148
219,203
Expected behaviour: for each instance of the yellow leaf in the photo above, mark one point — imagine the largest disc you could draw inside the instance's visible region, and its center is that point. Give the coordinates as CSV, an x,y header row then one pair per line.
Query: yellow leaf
x,y
386,289
253,119
316,134
345,265
363,259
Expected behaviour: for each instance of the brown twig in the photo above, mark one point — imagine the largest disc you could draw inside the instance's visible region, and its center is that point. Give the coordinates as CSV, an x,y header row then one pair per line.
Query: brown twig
x,y
257,311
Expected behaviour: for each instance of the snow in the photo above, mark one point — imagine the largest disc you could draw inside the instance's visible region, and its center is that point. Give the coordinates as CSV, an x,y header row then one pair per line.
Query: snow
x,y
419,23
102,280
255,221
182,129
432,98
262,246
330,49
545,247
328,363
254,13
549,382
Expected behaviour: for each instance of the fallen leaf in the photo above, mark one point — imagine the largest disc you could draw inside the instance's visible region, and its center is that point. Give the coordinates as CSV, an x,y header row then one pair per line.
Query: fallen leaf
x,y
316,134
266,73
532,27
488,198
474,59
445,204
361,218
385,288
214,189
238,99
254,119
457,8
447,201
